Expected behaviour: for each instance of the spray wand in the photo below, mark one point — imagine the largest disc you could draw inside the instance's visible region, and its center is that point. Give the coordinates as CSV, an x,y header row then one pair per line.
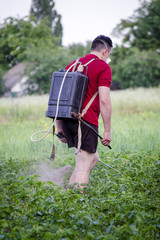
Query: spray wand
x,y
80,119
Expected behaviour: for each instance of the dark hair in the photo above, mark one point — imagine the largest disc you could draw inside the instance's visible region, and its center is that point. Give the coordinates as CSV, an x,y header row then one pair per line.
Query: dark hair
x,y
101,42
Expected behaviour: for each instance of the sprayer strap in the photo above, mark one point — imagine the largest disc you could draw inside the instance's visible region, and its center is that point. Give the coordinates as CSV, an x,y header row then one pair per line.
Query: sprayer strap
x,y
89,62
88,104
81,66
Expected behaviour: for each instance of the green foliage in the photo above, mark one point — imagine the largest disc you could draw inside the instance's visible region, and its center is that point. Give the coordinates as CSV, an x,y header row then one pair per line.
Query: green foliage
x,y
139,64
113,206
25,40
134,68
17,36
8,42
143,28
79,50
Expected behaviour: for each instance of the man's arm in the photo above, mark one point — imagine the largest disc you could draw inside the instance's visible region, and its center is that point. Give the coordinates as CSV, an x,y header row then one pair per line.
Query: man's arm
x,y
106,112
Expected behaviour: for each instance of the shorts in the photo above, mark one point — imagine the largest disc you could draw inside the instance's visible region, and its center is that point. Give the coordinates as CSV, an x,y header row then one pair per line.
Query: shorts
x,y
89,140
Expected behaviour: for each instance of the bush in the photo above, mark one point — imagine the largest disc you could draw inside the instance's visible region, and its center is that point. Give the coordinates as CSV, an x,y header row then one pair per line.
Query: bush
x,y
134,68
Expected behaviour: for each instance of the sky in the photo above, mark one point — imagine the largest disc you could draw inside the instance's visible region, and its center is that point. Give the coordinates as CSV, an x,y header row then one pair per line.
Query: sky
x,y
82,20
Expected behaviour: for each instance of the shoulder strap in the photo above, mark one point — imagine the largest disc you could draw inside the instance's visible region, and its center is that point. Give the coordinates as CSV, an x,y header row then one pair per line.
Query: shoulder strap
x,y
81,66
88,104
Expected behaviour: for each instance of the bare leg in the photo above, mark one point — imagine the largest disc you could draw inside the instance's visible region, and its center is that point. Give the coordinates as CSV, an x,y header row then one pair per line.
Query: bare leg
x,y
73,176
85,162
95,160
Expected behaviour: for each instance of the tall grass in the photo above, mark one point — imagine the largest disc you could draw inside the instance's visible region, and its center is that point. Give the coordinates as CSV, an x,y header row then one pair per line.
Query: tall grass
x,y
123,101
135,124
136,100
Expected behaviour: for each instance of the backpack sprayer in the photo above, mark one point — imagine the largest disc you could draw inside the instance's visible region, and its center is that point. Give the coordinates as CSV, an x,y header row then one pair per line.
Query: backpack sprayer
x,y
67,92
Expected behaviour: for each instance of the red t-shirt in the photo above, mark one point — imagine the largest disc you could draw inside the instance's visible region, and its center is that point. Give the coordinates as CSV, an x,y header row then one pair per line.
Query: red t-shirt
x,y
99,74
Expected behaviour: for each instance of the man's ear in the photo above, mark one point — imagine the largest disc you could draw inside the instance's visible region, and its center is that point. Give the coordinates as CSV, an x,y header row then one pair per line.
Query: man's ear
x,y
104,51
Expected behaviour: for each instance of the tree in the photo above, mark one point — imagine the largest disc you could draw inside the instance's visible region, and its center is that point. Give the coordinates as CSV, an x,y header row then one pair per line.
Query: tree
x,y
44,9
17,36
46,61
79,50
134,68
25,40
142,30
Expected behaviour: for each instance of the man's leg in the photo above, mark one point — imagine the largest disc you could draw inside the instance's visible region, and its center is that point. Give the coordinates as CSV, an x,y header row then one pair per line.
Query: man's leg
x,y
73,176
94,162
85,162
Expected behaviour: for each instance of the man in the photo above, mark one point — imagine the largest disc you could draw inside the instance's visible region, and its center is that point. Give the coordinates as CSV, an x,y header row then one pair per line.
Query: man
x,y
99,79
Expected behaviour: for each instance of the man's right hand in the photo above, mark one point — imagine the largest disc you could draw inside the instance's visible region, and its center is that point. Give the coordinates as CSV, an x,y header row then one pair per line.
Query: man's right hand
x,y
60,133
61,137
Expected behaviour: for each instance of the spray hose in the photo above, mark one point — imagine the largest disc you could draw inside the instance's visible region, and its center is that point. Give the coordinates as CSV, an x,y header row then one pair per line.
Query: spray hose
x,y
57,108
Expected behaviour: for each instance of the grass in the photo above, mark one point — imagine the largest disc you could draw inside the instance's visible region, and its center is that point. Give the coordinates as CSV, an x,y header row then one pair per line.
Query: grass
x,y
115,206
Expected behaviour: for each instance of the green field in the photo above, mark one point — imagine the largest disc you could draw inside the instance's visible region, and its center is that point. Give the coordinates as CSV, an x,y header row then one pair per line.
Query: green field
x,y
114,206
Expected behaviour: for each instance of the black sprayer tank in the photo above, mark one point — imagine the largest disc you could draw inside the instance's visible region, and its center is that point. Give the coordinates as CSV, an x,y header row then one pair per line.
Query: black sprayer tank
x,y
72,94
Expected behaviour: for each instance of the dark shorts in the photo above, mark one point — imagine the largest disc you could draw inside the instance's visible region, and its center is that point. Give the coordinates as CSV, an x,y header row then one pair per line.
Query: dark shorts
x,y
89,140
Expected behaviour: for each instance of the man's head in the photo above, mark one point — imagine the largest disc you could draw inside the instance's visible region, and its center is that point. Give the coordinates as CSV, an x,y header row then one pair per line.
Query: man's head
x,y
102,45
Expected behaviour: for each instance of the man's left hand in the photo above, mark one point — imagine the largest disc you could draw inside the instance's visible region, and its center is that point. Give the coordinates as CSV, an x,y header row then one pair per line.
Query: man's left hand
x,y
106,138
